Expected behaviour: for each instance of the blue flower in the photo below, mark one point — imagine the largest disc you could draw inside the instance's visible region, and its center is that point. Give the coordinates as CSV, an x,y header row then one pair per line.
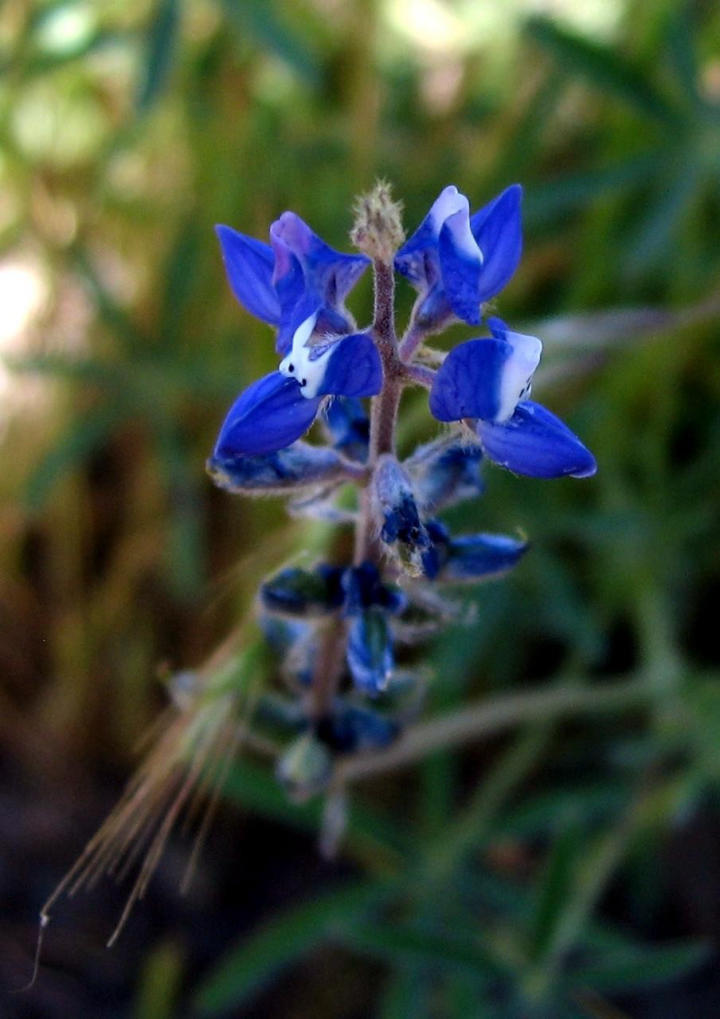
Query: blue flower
x,y
445,472
396,508
291,280
486,381
369,651
457,261
279,408
349,728
281,472
471,557
298,284
348,426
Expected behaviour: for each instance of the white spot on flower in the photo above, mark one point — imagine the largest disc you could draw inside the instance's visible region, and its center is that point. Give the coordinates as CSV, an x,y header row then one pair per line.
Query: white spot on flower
x,y
302,362
517,372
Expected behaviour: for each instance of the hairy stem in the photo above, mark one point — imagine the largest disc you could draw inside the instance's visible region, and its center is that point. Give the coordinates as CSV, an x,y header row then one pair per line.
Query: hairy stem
x,y
331,653
384,407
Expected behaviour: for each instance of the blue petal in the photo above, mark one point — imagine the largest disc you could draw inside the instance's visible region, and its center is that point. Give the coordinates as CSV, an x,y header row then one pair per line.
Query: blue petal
x,y
497,229
461,265
351,728
285,470
299,592
307,306
445,472
363,590
249,266
535,443
417,259
269,415
349,427
480,555
369,651
353,369
329,273
468,383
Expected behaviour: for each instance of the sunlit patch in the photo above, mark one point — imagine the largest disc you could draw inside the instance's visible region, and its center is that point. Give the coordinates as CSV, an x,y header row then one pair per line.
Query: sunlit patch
x,y
66,29
23,295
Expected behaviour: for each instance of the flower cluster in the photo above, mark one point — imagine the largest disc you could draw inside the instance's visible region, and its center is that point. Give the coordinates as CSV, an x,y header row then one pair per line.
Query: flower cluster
x,y
339,625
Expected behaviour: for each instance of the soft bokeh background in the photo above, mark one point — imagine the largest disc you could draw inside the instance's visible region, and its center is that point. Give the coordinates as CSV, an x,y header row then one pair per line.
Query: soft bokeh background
x,y
564,868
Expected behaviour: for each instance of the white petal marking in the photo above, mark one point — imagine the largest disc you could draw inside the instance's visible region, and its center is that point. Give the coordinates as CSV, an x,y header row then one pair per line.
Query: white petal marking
x,y
517,372
297,363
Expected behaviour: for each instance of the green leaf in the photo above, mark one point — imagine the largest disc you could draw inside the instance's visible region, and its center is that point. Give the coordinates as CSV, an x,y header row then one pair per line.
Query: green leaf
x,y
640,968
285,938
161,46
682,52
83,436
109,311
555,889
407,993
651,239
259,20
404,943
601,66
548,201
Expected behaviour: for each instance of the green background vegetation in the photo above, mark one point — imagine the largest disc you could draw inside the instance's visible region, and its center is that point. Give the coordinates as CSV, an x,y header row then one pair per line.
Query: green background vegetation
x,y
548,870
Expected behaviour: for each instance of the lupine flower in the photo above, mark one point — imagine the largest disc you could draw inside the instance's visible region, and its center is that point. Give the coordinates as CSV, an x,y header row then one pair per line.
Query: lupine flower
x,y
445,472
297,283
297,592
486,381
279,408
397,511
334,627
369,603
284,471
457,261
294,278
470,558
349,728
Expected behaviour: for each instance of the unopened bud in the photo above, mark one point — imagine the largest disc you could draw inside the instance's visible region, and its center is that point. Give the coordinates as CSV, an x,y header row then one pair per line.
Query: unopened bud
x,y
397,513
378,230
305,767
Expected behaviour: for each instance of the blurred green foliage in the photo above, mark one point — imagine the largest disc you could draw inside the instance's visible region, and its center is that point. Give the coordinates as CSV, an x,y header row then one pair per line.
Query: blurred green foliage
x,y
126,131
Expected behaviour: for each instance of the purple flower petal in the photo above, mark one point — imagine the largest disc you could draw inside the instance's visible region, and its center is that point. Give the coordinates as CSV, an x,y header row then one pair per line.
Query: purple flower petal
x,y
249,266
536,443
467,384
461,265
328,273
485,378
497,229
369,651
269,415
353,368
417,259
477,556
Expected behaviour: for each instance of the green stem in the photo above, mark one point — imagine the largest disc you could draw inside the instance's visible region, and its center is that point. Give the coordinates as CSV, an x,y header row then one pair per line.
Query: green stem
x,y
487,718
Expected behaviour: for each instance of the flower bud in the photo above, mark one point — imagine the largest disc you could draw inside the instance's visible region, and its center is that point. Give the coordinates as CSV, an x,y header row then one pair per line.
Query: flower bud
x,y
350,728
445,472
349,427
297,592
369,651
378,230
298,466
397,512
305,767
